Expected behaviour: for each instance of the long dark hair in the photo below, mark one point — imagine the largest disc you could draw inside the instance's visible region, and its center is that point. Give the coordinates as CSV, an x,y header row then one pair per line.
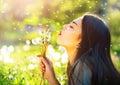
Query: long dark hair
x,y
96,39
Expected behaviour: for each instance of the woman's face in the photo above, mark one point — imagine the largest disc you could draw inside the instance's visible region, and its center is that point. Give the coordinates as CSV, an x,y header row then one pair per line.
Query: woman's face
x,y
70,35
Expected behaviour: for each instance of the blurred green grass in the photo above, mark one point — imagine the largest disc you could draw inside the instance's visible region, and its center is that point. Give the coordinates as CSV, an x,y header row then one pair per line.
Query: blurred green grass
x,y
18,61
24,70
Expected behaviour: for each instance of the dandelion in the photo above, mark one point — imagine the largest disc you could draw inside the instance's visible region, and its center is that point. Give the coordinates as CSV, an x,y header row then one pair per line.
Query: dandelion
x,y
31,66
64,58
45,35
58,56
57,64
32,59
26,47
10,77
34,42
11,48
28,42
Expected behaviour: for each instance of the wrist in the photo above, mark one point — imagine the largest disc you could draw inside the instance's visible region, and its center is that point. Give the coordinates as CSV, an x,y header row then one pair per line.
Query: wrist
x,y
54,82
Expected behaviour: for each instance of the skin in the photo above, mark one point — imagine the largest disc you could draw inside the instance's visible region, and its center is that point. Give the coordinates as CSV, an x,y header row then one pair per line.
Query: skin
x,y
70,38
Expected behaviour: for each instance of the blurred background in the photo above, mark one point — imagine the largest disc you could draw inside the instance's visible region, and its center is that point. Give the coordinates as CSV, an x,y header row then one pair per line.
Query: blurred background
x,y
19,21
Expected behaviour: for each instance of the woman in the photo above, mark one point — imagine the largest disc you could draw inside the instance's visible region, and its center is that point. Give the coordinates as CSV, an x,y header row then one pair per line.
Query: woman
x,y
87,41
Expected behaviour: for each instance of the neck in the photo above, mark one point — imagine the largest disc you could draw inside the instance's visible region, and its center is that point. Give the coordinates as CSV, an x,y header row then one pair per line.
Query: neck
x,y
72,51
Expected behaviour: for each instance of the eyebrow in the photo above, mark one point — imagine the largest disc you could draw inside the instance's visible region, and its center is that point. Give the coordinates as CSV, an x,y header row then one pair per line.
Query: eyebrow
x,y
75,23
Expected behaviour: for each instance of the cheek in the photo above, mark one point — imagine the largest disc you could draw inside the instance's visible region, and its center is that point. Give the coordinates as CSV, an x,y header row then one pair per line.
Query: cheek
x,y
68,39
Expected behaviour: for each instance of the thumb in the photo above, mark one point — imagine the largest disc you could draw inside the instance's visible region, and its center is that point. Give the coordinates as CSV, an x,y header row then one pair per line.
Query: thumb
x,y
44,60
48,60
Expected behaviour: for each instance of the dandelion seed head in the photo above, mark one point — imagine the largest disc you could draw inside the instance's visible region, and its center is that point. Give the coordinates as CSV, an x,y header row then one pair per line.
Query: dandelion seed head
x,y
31,67
56,56
11,48
57,64
28,42
26,47
10,77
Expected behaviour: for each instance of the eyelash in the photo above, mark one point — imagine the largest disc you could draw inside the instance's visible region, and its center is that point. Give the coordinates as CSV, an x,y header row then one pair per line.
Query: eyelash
x,y
71,27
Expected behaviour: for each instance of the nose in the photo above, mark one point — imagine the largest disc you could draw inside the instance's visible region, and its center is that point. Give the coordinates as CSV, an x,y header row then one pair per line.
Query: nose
x,y
65,26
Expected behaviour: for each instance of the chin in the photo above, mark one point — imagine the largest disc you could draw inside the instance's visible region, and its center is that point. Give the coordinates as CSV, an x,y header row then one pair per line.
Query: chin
x,y
59,42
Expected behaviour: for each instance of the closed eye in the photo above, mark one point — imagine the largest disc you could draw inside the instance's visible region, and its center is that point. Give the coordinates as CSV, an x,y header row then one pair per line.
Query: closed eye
x,y
71,26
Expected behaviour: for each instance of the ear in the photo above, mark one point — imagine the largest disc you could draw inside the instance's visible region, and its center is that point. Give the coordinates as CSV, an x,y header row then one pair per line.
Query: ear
x,y
79,40
78,43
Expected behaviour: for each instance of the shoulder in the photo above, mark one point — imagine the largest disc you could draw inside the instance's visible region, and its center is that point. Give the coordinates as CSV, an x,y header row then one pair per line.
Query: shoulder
x,y
83,73
83,70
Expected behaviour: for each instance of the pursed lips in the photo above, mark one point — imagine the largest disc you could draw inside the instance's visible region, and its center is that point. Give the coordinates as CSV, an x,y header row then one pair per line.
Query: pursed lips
x,y
60,33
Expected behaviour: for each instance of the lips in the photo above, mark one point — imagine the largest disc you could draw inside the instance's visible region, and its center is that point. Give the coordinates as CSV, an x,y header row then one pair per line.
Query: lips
x,y
60,33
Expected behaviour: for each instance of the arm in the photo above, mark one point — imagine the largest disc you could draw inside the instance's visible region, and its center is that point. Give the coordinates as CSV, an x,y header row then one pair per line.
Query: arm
x,y
47,68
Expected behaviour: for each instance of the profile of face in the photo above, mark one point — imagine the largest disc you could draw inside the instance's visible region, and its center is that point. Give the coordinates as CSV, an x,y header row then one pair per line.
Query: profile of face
x,y
70,35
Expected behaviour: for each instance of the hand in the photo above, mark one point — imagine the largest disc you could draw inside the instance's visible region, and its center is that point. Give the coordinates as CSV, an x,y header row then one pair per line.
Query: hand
x,y
47,68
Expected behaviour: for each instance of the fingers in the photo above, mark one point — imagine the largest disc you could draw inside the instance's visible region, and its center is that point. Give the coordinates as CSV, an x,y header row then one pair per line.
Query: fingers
x,y
44,57
42,66
44,61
